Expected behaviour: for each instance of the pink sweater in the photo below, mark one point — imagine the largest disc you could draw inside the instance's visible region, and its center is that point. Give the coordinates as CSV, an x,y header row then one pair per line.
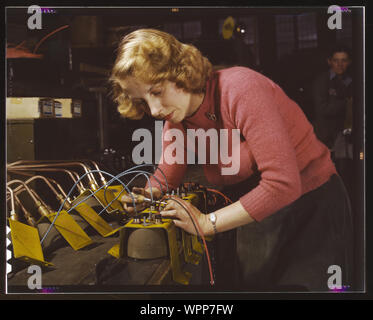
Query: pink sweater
x,y
278,141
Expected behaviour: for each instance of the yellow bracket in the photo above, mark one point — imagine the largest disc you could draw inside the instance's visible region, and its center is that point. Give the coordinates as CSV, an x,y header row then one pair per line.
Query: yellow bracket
x,y
192,248
189,255
97,222
120,250
105,197
26,243
194,199
70,230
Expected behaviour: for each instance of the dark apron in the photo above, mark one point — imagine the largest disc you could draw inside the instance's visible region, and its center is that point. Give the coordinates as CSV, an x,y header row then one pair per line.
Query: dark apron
x,y
292,249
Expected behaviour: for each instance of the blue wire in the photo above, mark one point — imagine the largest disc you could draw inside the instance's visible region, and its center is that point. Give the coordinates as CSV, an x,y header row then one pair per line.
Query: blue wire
x,y
108,183
131,171
125,173
71,190
113,178
119,176
154,166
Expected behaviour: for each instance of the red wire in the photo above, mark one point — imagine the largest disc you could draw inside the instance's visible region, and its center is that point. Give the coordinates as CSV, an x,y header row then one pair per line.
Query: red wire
x,y
213,190
203,239
220,193
48,35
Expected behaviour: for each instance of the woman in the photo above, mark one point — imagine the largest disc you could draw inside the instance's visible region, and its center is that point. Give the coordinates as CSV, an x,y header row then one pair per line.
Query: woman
x,y
293,222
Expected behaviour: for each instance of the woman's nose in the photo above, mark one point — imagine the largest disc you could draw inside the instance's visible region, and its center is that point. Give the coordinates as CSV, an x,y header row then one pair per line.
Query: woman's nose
x,y
155,108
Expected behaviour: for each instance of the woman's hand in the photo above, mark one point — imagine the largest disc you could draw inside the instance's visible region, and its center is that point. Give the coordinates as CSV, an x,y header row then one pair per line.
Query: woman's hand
x,y
175,209
127,200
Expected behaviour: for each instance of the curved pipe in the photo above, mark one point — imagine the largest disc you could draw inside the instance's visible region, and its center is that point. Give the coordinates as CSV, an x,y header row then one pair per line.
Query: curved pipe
x,y
13,214
27,214
57,164
26,188
99,171
73,175
58,196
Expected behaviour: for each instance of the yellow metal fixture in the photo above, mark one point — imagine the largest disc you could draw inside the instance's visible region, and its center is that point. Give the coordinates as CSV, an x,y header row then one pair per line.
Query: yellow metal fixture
x,y
25,239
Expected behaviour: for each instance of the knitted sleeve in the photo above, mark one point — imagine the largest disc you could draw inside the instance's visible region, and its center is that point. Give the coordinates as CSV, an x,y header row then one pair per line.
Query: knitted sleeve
x,y
255,110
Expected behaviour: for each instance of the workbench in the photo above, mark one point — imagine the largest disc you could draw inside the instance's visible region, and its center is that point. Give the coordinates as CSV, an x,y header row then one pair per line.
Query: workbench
x,y
93,269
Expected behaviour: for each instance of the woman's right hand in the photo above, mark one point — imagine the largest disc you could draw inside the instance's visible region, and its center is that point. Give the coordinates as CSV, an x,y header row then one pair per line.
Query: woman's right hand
x,y
127,200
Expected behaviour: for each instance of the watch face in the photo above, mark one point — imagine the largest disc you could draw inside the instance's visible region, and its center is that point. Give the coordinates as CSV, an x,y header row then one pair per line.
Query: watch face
x,y
212,217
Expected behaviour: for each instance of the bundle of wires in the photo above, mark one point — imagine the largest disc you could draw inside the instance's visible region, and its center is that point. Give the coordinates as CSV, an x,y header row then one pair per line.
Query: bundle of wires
x,y
125,188
198,231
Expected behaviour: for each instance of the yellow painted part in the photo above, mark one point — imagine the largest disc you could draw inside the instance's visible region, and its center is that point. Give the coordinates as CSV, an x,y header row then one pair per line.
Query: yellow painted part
x,y
116,190
70,230
106,197
177,274
196,245
92,217
189,255
26,243
228,27
114,251
192,197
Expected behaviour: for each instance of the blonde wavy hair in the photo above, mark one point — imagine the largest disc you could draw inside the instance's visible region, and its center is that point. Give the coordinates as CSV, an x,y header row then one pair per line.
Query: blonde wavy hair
x,y
153,56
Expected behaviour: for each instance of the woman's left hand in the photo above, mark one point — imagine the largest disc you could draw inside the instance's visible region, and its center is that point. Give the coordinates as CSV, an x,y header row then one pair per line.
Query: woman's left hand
x,y
175,209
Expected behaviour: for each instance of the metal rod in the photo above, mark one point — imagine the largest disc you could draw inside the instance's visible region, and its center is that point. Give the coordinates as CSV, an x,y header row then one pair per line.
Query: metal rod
x,y
12,209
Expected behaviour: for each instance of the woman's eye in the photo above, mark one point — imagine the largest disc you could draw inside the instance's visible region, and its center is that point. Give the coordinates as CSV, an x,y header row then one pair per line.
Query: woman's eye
x,y
156,93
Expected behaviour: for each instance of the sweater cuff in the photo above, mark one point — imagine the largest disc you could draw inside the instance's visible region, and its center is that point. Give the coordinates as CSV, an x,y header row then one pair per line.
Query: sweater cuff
x,y
259,206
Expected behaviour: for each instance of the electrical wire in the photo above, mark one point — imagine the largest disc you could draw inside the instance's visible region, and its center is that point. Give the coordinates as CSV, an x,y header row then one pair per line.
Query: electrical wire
x,y
155,167
48,35
199,233
131,170
119,176
71,190
227,200
80,178
151,193
125,187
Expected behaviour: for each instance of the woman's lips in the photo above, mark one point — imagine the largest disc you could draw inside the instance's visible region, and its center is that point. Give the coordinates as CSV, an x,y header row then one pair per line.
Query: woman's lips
x,y
169,116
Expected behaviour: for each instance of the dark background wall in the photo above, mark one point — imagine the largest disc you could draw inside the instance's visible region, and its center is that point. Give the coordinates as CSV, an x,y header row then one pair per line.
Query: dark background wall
x,y
287,45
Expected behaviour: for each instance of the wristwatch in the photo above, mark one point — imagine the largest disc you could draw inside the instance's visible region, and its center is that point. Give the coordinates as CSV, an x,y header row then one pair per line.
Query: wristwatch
x,y
213,221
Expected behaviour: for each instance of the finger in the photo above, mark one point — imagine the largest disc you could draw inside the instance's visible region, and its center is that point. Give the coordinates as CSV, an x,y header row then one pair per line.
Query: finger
x,y
169,206
176,203
140,206
128,199
169,213
138,190
179,224
128,209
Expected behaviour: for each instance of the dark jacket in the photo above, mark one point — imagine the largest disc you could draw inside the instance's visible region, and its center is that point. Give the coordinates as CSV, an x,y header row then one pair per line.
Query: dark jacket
x,y
329,96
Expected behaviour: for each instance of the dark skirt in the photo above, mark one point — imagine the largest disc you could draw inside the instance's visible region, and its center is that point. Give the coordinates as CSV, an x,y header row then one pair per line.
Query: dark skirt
x,y
292,249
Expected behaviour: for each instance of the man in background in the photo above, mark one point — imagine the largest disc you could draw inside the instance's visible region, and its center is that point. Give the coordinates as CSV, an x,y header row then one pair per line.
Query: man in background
x,y
332,101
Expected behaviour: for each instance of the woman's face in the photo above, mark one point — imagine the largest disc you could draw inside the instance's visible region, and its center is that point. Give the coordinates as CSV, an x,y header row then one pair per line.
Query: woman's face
x,y
163,100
